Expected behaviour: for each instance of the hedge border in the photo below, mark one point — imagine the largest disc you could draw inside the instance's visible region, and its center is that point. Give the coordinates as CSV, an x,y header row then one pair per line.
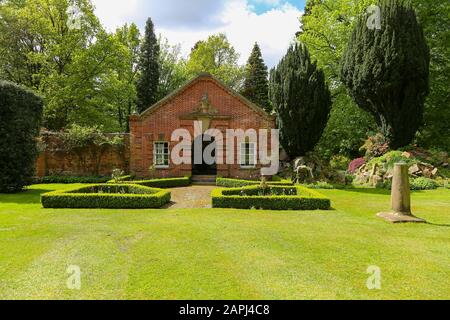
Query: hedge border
x,y
70,180
161,183
74,198
237,183
312,201
126,179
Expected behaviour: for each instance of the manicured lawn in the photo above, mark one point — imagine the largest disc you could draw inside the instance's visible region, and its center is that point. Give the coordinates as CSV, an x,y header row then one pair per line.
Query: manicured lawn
x,y
225,254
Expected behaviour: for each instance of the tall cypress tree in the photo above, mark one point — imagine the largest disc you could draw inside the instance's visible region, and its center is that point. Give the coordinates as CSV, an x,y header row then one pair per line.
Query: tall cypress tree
x,y
147,84
301,99
256,84
387,71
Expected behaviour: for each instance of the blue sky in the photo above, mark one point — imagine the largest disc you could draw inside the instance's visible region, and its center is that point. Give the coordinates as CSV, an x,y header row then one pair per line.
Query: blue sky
x,y
261,6
272,23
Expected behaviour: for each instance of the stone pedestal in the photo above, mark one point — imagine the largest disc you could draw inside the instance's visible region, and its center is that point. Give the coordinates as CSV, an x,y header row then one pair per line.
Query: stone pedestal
x,y
401,198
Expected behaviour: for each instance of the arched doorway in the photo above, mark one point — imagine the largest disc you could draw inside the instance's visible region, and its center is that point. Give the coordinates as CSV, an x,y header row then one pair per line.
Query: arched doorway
x,y
204,169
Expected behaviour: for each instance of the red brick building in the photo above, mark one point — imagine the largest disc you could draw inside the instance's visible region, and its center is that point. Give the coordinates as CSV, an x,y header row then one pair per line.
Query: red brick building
x,y
204,99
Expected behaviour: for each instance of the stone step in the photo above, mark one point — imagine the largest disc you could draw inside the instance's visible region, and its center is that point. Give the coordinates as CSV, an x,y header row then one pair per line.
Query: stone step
x,y
204,177
204,180
203,183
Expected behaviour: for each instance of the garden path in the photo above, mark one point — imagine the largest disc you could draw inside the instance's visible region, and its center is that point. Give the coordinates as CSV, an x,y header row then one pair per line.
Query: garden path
x,y
191,197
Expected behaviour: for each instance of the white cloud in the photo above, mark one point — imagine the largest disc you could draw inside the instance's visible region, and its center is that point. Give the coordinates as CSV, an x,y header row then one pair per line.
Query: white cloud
x,y
114,13
268,2
273,30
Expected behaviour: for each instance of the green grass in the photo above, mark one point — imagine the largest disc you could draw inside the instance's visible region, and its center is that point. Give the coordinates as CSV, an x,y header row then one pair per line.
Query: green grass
x,y
225,254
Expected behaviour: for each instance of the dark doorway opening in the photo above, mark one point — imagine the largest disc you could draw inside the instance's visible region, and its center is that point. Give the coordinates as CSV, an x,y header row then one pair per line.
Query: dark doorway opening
x,y
204,169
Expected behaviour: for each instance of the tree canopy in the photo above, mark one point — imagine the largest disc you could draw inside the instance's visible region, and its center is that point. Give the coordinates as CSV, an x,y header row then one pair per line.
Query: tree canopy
x,y
218,57
90,77
173,72
387,71
148,82
326,28
66,55
256,83
301,99
20,119
434,18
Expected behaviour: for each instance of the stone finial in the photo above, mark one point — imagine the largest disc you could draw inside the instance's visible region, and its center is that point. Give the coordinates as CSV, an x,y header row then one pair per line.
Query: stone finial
x,y
401,197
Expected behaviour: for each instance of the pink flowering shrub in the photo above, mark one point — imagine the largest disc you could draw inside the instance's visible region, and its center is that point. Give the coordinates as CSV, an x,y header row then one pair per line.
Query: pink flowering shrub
x,y
355,165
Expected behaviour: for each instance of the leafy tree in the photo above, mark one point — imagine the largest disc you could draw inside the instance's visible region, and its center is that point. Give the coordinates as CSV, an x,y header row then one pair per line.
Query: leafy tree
x,y
60,52
434,18
301,99
173,68
387,71
20,118
347,129
147,85
118,86
256,83
326,28
218,57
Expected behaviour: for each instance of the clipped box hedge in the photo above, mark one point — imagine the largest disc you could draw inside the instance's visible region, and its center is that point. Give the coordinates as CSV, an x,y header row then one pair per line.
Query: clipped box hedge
x,y
107,196
69,180
284,198
122,179
236,183
162,183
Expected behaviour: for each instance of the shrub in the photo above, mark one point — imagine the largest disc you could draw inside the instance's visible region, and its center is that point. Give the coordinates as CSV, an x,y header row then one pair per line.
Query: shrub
x,y
164,183
236,183
20,118
416,184
69,180
282,198
323,185
260,191
423,184
78,140
390,159
386,185
355,165
277,179
107,196
339,162
349,179
375,146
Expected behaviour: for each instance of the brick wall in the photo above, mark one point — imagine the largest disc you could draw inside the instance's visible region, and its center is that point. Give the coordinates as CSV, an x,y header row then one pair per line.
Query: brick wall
x,y
55,160
234,113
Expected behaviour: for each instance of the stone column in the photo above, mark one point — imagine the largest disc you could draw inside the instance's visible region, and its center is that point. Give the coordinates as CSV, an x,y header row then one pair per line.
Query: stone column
x,y
401,194
401,197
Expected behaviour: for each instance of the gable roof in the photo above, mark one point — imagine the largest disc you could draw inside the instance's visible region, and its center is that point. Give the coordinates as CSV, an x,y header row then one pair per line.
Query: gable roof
x,y
218,82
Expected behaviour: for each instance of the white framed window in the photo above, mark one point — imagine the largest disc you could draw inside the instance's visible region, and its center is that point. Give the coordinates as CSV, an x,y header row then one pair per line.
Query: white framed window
x,y
161,154
248,155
